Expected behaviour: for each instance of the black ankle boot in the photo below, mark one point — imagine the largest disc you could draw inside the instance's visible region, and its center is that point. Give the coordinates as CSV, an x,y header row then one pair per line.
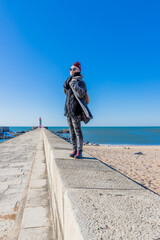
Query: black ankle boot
x,y
79,154
73,153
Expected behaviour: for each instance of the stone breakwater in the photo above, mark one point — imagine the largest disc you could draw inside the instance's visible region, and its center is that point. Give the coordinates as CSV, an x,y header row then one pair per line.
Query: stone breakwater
x,y
63,132
42,188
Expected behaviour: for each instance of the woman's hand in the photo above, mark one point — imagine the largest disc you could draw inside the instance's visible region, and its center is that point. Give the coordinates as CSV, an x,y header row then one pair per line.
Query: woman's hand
x,y
66,83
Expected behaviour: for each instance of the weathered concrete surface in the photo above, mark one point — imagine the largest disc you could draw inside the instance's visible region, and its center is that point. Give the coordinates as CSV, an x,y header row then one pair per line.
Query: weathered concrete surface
x,y
112,214
16,156
92,201
37,217
24,196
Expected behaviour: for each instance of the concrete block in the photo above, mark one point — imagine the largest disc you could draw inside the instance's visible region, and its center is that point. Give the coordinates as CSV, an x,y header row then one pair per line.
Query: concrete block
x,y
40,233
39,175
34,217
95,179
39,171
37,197
10,172
39,183
111,214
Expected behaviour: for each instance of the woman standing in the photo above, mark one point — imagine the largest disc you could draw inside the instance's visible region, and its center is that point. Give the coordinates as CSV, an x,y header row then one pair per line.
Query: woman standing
x,y
73,110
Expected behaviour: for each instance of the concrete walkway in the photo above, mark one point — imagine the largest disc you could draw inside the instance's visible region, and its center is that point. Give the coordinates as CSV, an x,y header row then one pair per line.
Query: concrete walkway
x,y
24,197
89,200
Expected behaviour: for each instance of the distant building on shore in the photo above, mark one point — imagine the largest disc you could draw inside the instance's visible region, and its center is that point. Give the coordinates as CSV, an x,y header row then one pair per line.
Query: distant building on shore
x,y
3,129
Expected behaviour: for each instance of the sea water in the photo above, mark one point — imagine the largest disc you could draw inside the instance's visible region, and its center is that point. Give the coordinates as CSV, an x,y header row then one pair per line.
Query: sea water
x,y
112,135
119,135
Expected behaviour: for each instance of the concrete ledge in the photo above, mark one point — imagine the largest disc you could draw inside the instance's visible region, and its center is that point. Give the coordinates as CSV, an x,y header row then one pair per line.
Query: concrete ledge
x,y
92,201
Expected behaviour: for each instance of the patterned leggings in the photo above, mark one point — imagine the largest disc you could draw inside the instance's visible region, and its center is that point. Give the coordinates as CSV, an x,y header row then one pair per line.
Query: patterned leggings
x,y
75,132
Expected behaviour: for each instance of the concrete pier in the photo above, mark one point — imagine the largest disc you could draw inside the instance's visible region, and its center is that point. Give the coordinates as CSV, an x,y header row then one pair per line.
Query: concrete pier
x,y
24,197
45,194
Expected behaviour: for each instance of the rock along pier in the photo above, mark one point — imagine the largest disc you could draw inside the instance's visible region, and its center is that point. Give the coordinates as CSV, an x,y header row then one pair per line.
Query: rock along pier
x,y
45,194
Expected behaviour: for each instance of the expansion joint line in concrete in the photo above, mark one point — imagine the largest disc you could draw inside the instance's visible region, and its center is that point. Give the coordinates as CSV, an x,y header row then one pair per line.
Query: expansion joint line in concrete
x,y
49,192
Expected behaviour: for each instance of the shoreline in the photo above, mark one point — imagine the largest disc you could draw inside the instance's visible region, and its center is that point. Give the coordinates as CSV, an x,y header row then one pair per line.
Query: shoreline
x,y
88,143
124,145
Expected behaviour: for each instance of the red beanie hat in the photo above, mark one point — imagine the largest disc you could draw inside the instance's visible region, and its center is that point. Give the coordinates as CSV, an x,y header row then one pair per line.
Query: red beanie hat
x,y
77,64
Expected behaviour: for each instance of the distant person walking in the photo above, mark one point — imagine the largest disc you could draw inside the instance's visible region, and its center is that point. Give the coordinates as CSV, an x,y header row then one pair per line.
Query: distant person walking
x,y
76,108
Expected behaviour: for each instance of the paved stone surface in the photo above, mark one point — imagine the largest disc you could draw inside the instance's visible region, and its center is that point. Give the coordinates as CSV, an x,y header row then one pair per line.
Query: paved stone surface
x,y
24,196
34,217
39,233
37,218
16,156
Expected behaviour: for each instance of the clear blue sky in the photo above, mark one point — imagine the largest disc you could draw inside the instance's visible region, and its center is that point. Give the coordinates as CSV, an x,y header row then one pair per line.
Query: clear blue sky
x,y
117,43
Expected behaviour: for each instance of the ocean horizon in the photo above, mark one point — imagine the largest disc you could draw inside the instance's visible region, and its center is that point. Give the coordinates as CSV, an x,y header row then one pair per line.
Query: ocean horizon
x,y
115,135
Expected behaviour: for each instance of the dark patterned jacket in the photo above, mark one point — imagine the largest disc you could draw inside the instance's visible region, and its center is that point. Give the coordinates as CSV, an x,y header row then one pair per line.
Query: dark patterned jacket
x,y
72,107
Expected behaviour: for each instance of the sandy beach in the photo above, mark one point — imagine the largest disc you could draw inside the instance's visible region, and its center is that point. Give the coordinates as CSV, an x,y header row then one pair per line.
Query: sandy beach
x,y
143,168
